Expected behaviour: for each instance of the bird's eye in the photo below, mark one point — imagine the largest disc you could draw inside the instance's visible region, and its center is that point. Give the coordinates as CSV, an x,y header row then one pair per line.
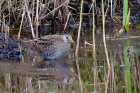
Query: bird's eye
x,y
66,37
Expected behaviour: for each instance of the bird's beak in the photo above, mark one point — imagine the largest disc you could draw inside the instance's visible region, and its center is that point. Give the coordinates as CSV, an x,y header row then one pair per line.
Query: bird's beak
x,y
71,40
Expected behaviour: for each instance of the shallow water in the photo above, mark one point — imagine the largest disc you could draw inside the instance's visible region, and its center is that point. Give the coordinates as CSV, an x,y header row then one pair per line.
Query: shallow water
x,y
60,76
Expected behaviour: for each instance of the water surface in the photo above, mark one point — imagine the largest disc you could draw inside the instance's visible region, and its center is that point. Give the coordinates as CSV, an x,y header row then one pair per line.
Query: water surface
x,y
35,75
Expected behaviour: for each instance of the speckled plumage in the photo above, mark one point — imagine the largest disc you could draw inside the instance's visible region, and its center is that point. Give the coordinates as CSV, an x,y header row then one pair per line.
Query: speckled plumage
x,y
51,46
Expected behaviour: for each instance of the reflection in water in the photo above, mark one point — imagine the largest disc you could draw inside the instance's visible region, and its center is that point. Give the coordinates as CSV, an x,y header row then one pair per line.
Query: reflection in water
x,y
124,56
51,71
40,76
59,71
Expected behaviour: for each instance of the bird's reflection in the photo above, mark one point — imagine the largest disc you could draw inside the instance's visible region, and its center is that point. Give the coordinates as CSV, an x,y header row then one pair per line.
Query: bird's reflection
x,y
53,71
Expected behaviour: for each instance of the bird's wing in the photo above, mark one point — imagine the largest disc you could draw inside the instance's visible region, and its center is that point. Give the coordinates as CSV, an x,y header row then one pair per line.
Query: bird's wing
x,y
45,44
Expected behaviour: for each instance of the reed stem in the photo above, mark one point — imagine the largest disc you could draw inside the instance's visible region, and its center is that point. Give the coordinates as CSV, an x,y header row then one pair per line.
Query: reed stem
x,y
67,20
37,8
125,11
27,10
104,38
94,50
77,48
106,52
21,23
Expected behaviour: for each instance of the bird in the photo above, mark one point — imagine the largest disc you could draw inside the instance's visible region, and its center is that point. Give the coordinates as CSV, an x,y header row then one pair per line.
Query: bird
x,y
50,47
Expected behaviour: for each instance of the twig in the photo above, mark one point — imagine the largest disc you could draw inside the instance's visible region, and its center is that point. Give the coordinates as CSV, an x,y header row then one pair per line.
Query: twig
x,y
36,19
21,23
67,20
120,32
54,10
27,10
86,43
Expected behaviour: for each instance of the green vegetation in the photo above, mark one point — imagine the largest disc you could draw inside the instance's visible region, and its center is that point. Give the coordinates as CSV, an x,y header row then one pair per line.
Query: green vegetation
x,y
126,15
